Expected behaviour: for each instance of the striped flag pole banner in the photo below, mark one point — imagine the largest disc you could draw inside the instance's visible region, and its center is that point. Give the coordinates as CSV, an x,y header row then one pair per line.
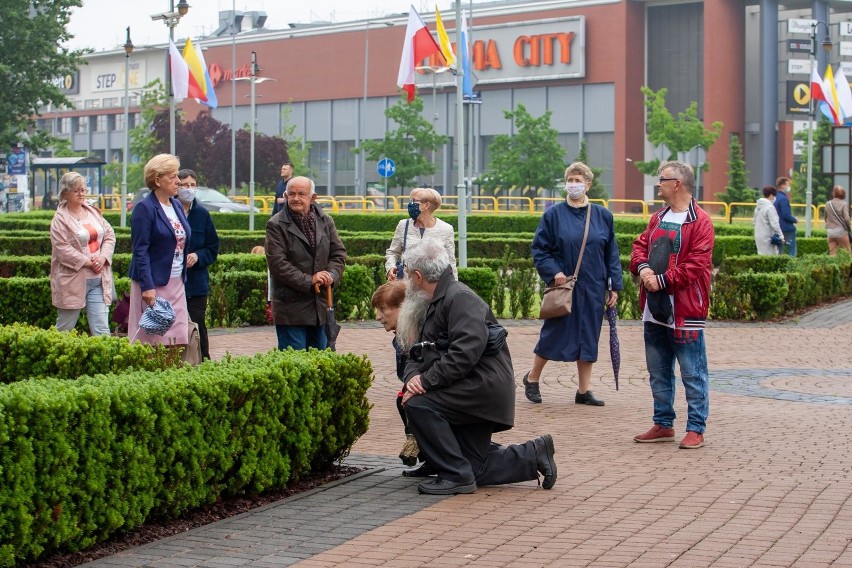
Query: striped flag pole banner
x,y
418,45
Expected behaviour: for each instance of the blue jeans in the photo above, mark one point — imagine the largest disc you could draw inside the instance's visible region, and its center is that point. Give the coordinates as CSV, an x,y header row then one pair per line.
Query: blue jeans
x,y
300,337
97,312
662,346
790,242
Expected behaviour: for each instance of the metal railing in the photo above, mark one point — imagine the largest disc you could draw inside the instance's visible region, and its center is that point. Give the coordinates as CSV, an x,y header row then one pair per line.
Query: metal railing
x,y
490,205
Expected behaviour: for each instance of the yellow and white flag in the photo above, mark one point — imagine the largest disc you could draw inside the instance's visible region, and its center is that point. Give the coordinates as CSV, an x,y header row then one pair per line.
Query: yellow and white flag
x,y
444,40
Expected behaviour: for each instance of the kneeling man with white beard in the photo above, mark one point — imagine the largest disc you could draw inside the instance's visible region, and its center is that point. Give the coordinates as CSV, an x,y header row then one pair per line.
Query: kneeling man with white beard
x,y
456,395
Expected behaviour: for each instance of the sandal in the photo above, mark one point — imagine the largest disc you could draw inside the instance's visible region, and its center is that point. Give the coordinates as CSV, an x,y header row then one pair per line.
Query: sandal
x,y
531,390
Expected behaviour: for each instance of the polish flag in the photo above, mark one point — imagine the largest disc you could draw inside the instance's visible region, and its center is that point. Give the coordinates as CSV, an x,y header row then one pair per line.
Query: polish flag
x,y
180,73
419,44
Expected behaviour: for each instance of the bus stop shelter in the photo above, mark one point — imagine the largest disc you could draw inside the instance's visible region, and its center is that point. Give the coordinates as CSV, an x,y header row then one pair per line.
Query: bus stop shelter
x,y
46,173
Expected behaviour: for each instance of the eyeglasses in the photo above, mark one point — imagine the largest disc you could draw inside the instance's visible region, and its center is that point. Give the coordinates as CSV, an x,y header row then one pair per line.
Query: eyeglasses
x,y
79,191
665,179
187,185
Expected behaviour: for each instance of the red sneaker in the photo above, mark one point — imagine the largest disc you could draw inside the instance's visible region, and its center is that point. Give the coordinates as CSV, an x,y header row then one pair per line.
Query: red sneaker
x,y
656,434
692,440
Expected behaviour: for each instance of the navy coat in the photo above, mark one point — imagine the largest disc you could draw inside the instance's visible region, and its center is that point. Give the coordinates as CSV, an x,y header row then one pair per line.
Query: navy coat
x,y
205,244
555,249
153,242
785,214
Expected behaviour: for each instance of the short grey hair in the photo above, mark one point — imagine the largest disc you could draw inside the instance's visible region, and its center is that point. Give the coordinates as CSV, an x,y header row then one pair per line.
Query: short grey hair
x,y
430,258
298,179
681,171
69,181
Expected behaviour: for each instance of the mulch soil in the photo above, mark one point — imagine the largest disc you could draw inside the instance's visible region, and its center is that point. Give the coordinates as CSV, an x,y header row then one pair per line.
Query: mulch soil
x,y
219,510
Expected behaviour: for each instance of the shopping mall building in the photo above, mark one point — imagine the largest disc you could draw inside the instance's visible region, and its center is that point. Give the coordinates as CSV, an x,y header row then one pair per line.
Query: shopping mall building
x,y
745,62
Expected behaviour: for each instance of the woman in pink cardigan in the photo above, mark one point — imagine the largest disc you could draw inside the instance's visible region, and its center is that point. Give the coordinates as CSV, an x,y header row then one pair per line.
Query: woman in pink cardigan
x,y
81,260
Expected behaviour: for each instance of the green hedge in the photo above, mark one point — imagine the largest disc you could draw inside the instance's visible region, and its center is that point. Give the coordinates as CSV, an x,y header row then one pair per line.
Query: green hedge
x,y
29,352
83,460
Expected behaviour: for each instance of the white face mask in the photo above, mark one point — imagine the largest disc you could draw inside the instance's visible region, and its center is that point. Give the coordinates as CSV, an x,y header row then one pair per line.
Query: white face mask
x,y
186,194
575,190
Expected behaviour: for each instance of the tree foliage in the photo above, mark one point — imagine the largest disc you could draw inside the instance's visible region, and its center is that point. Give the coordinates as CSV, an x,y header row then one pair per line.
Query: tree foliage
x,y
32,62
597,191
408,146
821,184
679,134
297,149
737,190
531,159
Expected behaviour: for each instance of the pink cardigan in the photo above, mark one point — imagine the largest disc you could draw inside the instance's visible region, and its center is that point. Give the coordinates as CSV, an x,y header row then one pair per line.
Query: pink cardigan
x,y
68,273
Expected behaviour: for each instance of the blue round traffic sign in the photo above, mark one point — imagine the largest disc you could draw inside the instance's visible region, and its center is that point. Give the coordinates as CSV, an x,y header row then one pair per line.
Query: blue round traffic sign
x,y
386,167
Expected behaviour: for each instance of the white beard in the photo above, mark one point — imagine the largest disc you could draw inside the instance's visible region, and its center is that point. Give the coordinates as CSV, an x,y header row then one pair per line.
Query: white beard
x,y
412,314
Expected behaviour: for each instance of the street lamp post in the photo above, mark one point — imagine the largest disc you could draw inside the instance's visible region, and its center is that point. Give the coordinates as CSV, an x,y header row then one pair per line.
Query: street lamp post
x,y
233,96
171,19
809,195
253,80
128,49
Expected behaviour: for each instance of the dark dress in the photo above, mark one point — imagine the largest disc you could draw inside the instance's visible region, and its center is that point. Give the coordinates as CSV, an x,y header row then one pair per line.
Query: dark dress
x,y
555,249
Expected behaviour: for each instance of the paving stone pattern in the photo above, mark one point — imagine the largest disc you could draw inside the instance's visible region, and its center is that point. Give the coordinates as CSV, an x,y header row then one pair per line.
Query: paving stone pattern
x,y
772,487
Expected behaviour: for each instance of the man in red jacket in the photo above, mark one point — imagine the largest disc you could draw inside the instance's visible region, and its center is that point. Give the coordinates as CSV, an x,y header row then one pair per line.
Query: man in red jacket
x,y
686,281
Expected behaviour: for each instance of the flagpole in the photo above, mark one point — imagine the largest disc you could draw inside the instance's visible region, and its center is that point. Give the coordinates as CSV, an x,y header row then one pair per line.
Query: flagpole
x,y
461,189
809,195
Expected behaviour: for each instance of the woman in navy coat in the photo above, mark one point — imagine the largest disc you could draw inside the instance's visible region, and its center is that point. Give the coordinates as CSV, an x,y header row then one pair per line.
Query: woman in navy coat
x,y
159,233
555,249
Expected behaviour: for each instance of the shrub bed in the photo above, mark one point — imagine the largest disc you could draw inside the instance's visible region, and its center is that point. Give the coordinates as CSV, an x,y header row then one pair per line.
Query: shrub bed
x,y
81,460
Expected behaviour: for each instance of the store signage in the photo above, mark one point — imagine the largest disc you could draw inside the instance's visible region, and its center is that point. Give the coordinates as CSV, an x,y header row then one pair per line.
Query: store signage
x,y
799,45
69,84
846,48
799,67
796,26
110,77
798,97
845,28
543,50
219,75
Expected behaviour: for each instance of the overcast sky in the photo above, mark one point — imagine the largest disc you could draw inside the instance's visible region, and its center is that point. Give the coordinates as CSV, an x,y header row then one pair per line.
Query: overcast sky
x,y
100,24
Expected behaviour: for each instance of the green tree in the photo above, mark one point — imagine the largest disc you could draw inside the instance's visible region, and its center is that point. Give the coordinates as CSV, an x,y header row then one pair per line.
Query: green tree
x,y
597,191
408,145
679,134
32,62
531,159
61,148
821,184
297,149
737,190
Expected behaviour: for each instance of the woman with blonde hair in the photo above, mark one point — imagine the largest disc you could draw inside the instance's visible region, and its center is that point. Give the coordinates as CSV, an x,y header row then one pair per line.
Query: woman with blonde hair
x,y
837,221
159,233
82,243
421,226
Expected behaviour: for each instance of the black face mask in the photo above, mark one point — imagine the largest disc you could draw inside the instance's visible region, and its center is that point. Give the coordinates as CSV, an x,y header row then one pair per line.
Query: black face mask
x,y
413,210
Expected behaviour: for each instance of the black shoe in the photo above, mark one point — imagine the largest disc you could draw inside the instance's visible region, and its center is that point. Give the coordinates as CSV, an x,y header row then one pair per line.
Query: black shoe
x,y
441,486
531,390
423,470
544,460
587,398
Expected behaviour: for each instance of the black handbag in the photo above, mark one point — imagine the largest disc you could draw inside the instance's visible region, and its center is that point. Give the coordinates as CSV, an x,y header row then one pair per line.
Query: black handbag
x,y
776,240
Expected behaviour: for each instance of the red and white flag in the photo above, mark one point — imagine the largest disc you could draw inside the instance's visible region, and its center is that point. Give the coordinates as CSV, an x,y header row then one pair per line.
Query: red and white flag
x,y
419,44
180,73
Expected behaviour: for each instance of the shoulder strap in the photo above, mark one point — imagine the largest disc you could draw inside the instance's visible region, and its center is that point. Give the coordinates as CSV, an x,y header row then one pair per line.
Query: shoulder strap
x,y
405,237
839,218
583,246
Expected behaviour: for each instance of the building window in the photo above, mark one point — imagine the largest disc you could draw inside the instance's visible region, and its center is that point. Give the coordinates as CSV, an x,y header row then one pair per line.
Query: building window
x,y
111,102
83,124
344,158
318,157
101,123
119,122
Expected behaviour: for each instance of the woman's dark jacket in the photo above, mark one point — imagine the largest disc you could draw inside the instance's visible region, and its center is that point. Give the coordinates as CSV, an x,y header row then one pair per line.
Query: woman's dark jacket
x,y
153,242
204,243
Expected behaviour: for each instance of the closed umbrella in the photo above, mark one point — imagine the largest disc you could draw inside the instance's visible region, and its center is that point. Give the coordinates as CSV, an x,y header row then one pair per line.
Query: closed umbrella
x,y
157,319
332,328
614,345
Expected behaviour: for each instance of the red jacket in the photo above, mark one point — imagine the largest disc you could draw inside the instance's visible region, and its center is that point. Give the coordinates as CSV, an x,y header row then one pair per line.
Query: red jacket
x,y
690,269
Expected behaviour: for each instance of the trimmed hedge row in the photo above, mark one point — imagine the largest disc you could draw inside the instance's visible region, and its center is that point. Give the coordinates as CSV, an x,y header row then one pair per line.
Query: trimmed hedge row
x,y
83,460
489,246
33,353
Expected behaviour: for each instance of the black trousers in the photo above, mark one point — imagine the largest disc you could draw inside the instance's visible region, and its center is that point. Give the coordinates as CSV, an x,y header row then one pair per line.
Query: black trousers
x,y
197,308
459,446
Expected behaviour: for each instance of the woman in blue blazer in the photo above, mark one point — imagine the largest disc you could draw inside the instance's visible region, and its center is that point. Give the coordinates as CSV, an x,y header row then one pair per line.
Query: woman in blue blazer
x,y
159,232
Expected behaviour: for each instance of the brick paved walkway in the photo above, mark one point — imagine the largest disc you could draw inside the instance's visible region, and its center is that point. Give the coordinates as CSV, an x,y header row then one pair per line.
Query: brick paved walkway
x,y
772,487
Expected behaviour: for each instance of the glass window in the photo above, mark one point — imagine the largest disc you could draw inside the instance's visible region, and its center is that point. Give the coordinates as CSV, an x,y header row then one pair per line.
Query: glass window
x,y
344,157
101,123
118,124
83,124
111,102
318,157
